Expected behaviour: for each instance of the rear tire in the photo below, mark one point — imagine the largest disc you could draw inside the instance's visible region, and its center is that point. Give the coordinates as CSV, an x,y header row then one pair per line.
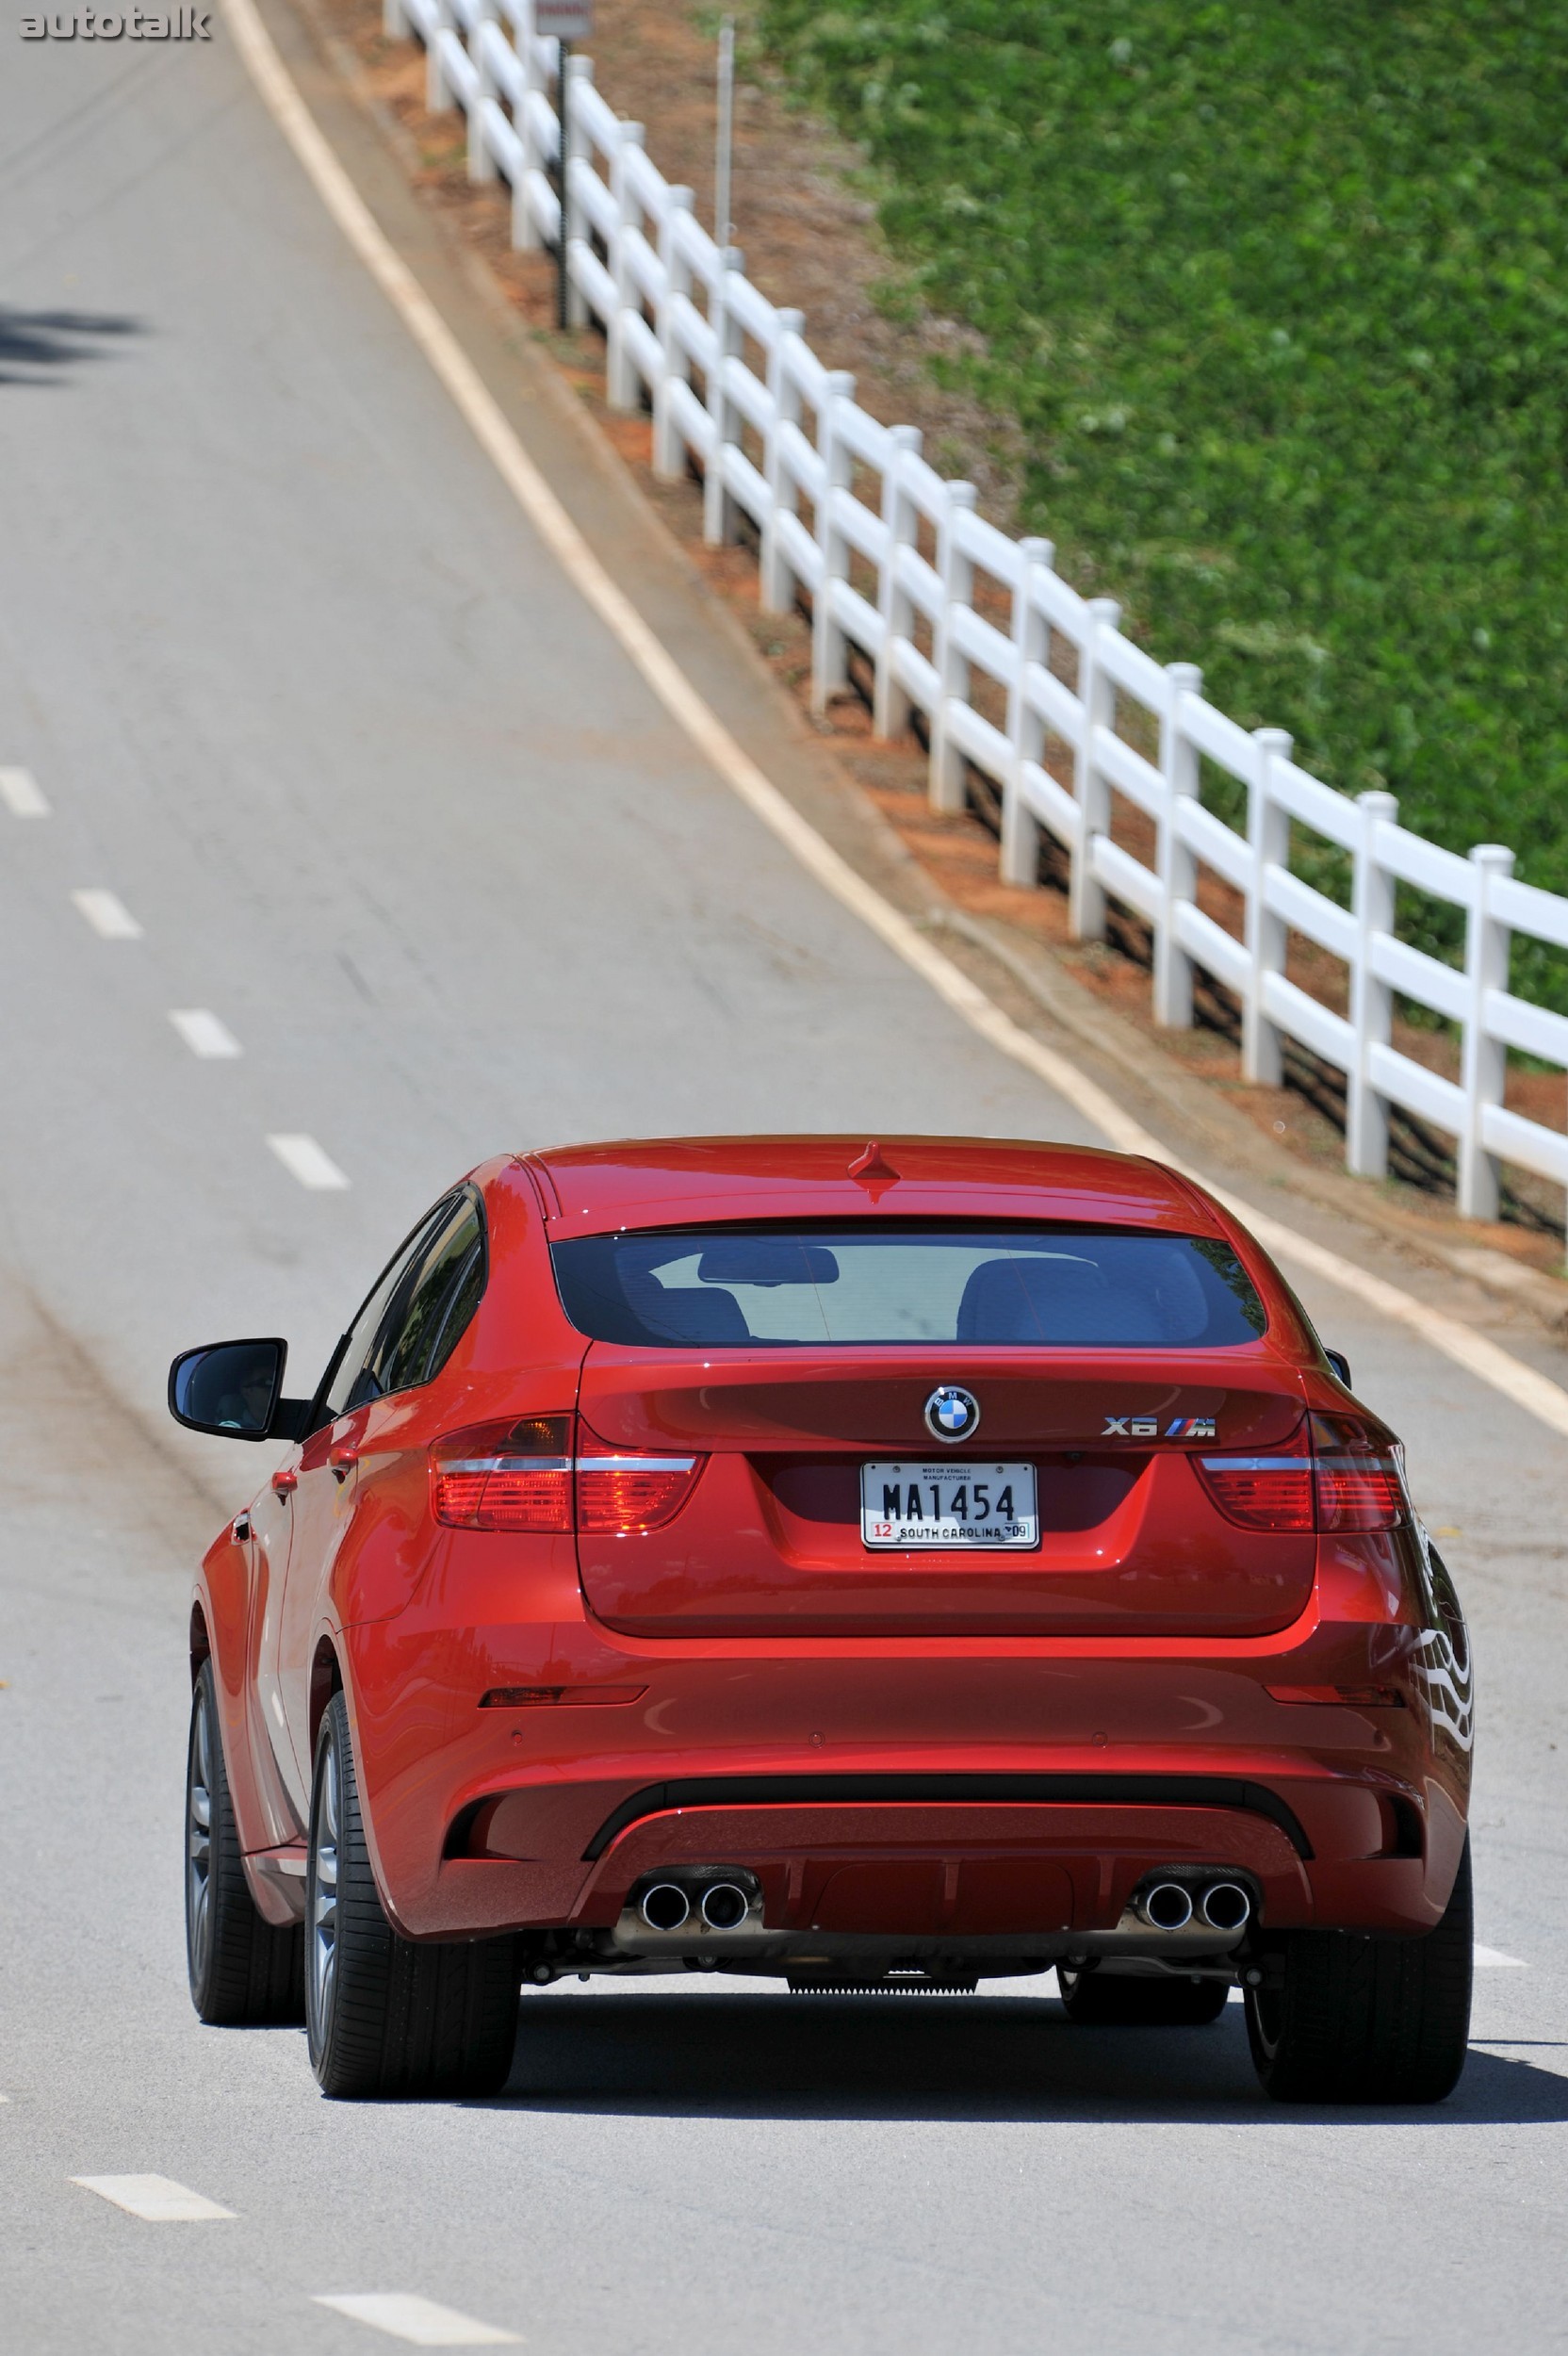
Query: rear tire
x,y
1357,2020
385,2017
1102,2000
245,1971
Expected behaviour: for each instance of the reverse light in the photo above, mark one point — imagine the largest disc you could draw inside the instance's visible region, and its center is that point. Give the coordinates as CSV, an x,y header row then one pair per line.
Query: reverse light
x,y
522,1474
1331,1474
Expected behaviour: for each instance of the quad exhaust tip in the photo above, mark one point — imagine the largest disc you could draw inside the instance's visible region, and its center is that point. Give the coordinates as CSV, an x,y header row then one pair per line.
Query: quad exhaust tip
x,y
665,1906
1168,1906
725,1906
1226,1906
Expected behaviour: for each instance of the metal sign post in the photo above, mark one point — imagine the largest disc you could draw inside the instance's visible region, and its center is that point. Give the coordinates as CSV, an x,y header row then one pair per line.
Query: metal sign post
x,y
724,139
568,21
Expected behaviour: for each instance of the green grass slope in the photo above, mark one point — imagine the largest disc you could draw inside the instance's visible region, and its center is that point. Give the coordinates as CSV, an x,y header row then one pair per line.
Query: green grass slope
x,y
1278,296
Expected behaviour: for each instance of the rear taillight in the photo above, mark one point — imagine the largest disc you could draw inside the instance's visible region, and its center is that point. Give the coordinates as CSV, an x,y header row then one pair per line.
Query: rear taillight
x,y
1360,1482
627,1493
1272,1492
522,1474
505,1476
1329,1475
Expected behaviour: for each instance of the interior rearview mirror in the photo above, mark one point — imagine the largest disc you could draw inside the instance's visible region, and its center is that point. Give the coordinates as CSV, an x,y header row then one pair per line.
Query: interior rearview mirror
x,y
235,1391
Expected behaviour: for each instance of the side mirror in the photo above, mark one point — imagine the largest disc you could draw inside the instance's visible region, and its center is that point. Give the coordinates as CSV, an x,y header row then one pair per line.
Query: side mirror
x,y
1340,1364
235,1391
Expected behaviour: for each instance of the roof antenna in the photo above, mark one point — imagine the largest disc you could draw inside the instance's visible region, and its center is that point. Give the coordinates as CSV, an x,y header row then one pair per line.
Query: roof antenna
x,y
873,1170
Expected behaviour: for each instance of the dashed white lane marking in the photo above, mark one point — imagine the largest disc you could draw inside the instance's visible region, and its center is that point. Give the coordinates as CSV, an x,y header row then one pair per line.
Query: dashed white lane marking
x,y
308,1162
404,2315
202,1032
158,2199
1494,1958
1547,1401
22,794
107,915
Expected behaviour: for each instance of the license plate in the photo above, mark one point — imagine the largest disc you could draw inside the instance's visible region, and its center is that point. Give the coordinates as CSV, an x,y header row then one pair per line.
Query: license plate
x,y
948,1505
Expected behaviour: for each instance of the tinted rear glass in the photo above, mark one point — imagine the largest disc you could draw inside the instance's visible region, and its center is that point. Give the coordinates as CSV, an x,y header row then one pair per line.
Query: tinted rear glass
x,y
726,1287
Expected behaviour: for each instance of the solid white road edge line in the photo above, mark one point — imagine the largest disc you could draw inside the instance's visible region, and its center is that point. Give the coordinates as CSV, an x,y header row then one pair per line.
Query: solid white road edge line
x,y
405,2316
204,1033
22,794
306,1161
158,2199
107,915
1535,1392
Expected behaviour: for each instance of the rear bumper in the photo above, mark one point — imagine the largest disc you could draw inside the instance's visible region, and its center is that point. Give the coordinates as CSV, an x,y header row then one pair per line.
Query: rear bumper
x,y
980,1797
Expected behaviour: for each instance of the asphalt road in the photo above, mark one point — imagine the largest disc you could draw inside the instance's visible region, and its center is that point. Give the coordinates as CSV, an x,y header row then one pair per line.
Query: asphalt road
x,y
303,693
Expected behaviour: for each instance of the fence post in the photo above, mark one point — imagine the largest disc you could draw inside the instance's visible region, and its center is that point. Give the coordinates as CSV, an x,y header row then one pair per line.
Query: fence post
x,y
578,70
1371,1000
718,507
958,580
1019,856
438,96
622,386
829,669
891,706
1269,836
1487,941
1174,858
776,587
669,449
527,236
481,164
1097,694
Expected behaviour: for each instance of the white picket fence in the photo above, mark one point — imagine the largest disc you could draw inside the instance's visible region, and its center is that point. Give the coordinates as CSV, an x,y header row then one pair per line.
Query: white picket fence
x,y
734,384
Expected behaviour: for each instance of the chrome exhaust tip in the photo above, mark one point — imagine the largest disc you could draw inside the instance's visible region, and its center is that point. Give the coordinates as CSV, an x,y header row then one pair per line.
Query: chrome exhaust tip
x,y
1167,1907
725,1906
665,1906
1227,1905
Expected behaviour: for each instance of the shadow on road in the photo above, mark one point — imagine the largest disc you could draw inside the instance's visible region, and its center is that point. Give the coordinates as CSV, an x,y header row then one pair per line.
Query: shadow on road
x,y
933,2057
36,345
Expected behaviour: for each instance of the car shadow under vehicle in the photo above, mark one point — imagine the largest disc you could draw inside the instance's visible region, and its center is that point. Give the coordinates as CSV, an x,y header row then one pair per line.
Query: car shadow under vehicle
x,y
1003,2058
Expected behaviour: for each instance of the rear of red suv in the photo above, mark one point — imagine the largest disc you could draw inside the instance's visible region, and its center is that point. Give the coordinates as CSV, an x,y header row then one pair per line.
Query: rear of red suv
x,y
884,1565
998,1577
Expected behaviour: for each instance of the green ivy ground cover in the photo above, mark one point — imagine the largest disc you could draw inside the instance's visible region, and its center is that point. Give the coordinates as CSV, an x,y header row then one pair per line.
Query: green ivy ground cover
x,y
1279,297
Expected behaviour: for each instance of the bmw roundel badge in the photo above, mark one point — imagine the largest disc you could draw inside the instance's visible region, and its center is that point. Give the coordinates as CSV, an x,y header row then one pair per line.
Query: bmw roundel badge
x,y
952,1413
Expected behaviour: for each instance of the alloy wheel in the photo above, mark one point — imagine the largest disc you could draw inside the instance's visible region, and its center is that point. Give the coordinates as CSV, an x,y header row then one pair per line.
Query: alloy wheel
x,y
323,1887
197,1843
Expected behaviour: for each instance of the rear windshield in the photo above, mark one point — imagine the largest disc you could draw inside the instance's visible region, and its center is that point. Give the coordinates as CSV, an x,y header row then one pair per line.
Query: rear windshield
x,y
723,1287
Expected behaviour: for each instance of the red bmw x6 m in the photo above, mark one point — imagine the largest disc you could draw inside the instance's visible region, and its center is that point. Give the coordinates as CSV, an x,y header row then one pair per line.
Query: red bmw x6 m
x,y
880,1566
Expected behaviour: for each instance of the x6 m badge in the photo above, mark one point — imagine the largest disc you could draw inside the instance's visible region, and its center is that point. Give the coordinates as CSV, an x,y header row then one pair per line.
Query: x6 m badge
x,y
1148,1428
